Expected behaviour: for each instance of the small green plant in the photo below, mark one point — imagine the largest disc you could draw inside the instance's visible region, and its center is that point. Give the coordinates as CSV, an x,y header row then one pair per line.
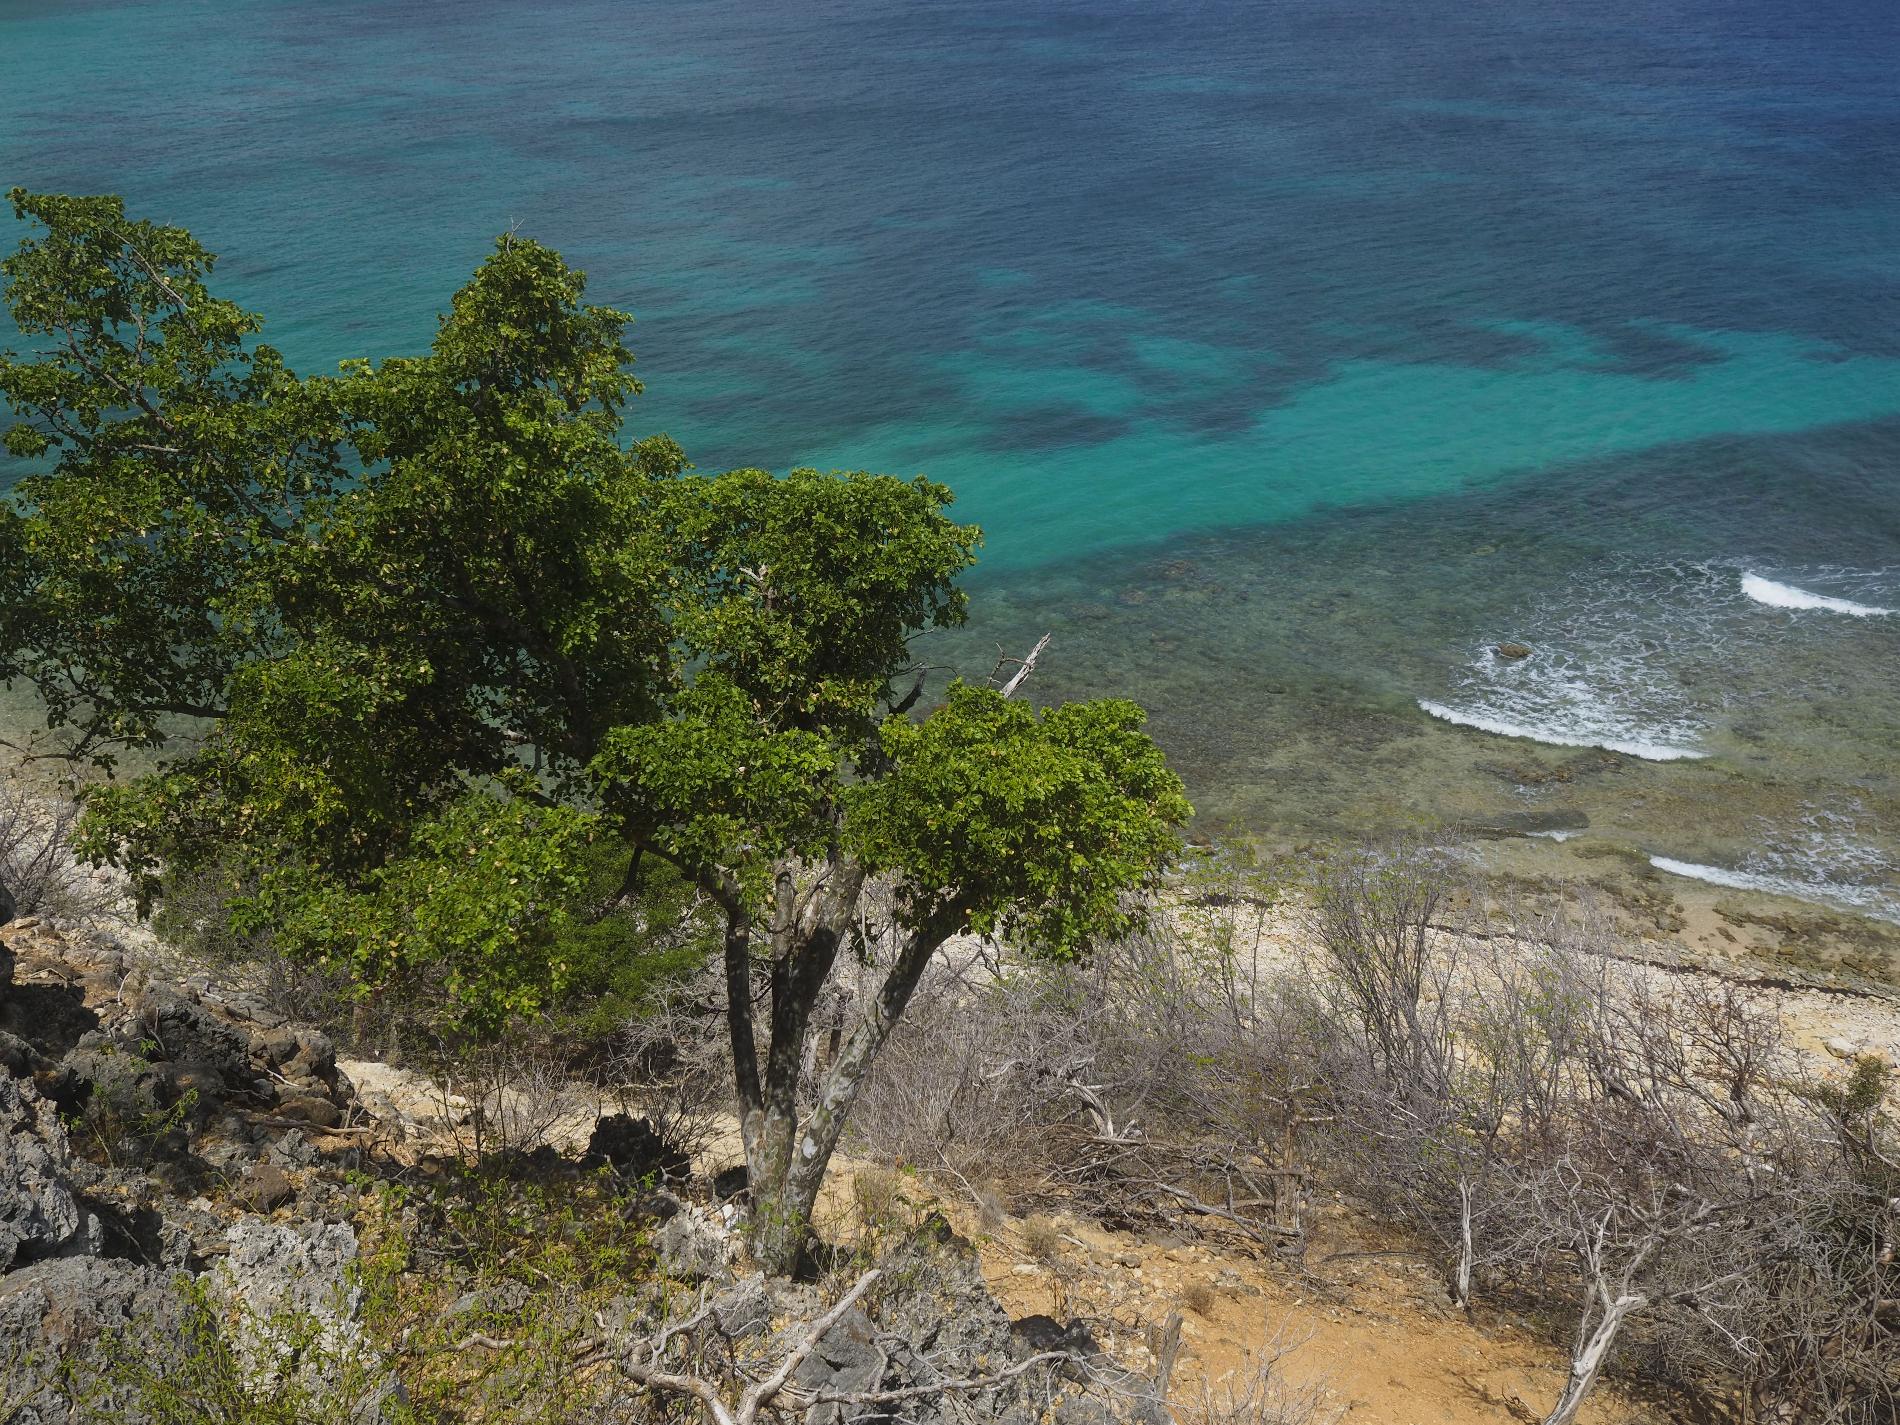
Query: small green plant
x,y
219,1365
124,1124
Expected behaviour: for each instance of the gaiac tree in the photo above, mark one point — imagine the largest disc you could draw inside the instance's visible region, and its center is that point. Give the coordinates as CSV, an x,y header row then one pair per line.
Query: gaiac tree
x,y
410,644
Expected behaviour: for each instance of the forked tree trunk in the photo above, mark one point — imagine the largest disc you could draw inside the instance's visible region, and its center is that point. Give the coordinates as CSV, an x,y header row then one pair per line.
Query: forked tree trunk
x,y
1461,1282
1587,1363
786,1158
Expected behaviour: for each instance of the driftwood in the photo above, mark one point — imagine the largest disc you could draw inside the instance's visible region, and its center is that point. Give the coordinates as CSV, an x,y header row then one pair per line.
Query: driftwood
x,y
1023,666
644,1364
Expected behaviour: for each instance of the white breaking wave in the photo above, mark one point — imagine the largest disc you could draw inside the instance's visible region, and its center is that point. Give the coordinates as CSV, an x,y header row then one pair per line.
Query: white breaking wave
x,y
1650,660
1786,596
1865,899
1617,652
1579,733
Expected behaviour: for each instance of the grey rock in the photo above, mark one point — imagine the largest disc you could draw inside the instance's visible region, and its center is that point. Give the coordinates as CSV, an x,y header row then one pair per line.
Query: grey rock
x,y
41,1214
185,1032
315,1057
691,1249
745,1308
73,1325
271,1268
114,1078
276,1045
952,1309
847,1361
293,1150
177,1246
254,1010
294,1316
195,1234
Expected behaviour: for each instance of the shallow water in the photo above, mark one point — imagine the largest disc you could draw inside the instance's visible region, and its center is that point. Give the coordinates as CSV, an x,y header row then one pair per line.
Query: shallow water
x,y
1293,356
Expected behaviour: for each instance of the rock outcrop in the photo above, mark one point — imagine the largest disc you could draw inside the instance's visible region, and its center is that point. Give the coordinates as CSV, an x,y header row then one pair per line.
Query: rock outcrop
x,y
110,1259
932,1319
207,1226
41,1215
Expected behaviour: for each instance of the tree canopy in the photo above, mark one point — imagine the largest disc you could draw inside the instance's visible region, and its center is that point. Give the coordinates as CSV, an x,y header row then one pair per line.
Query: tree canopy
x,y
407,645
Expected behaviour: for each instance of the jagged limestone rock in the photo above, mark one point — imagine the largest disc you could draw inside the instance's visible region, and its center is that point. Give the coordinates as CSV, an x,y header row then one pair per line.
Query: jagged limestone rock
x,y
41,1215
692,1249
292,1307
78,1334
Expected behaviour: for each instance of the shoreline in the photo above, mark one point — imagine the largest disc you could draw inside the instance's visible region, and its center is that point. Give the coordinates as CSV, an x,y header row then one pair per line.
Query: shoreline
x,y
1730,928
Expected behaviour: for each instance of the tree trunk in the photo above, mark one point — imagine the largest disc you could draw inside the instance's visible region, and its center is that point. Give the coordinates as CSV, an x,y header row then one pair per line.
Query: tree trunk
x,y
1587,1363
783,1198
1461,1282
745,1052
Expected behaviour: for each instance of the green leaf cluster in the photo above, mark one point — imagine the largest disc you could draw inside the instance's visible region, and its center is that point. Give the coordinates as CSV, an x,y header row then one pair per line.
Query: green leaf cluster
x,y
413,651
1035,825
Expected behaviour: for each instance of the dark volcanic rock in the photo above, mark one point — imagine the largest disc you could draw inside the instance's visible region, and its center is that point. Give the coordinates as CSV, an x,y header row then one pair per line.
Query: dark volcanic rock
x,y
635,1149
17,1057
264,1188
182,1031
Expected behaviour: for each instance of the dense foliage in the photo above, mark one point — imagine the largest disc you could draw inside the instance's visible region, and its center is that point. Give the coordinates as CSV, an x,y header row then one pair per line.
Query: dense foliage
x,y
412,647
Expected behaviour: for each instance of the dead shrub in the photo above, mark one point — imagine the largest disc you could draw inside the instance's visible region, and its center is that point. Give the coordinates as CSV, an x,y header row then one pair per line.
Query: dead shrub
x,y
1199,1296
1257,1394
1629,1154
38,874
879,1196
1042,1240
989,1208
670,1064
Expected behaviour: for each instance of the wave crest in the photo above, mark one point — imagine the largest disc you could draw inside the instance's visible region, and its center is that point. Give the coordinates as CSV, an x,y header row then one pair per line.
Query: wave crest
x,y
1786,596
1866,900
1561,734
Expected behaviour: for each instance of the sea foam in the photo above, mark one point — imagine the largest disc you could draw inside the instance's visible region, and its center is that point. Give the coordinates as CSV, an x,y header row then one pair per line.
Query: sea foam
x,y
1578,734
1786,596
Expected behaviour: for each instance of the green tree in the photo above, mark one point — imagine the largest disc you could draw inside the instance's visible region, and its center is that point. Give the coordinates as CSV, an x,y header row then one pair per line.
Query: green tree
x,y
414,642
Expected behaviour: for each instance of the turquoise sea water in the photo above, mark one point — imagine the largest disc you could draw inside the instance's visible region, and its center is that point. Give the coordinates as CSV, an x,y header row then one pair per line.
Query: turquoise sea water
x,y
1292,354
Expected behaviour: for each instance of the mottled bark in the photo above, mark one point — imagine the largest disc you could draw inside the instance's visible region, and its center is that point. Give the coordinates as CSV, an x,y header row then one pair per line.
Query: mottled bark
x,y
1587,1364
783,1203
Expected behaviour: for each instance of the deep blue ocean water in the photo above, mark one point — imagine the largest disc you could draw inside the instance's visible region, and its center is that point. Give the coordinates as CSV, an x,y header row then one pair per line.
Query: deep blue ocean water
x,y
1291,354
